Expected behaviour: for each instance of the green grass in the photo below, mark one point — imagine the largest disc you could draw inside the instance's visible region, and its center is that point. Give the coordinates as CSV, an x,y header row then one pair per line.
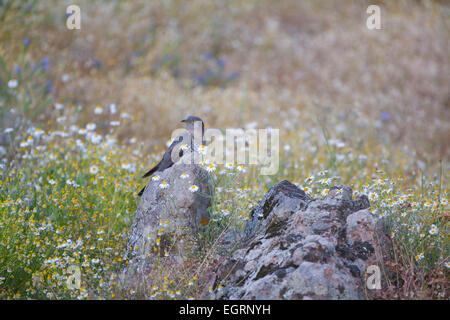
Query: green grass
x,y
68,191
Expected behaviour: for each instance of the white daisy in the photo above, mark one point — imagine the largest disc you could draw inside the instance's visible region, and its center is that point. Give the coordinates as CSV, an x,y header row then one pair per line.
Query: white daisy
x,y
373,196
126,166
93,169
91,126
164,185
13,83
96,138
132,140
155,178
202,149
307,190
433,229
184,176
322,173
98,110
193,188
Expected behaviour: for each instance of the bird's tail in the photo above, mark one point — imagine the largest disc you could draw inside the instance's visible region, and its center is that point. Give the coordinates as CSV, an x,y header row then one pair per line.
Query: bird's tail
x,y
151,171
141,192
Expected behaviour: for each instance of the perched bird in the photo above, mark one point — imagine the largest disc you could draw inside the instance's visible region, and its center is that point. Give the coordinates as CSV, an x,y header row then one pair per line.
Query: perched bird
x,y
196,130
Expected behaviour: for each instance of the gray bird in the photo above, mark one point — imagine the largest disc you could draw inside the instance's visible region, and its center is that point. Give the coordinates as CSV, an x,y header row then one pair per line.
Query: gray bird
x,y
192,123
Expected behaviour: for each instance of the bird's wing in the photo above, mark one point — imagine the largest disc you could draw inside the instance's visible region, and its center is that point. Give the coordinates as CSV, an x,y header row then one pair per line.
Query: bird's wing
x,y
166,161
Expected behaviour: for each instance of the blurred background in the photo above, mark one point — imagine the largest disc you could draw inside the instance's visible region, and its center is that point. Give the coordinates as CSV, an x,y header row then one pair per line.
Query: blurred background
x,y
288,65
84,113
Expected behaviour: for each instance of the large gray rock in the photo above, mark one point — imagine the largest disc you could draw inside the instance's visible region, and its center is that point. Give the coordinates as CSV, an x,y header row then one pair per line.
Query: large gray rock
x,y
167,219
299,248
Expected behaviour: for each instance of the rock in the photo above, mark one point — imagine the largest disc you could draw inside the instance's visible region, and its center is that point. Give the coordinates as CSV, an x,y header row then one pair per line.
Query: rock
x,y
277,206
296,247
170,215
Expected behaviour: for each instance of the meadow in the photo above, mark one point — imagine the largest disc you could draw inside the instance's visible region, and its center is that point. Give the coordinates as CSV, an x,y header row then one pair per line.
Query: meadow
x,y
84,113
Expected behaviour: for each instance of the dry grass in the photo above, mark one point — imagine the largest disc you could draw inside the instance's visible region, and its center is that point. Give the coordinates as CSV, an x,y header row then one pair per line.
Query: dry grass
x,y
310,68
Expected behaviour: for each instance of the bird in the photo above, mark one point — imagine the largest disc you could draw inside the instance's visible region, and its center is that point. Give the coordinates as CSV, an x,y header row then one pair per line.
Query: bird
x,y
189,142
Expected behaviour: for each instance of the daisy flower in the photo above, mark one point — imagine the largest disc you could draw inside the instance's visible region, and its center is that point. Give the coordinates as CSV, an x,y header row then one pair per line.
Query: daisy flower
x,y
211,168
93,169
96,138
373,196
90,126
433,229
325,192
125,115
307,190
193,188
98,110
322,173
164,185
126,166
132,140
184,176
202,149
229,165
13,83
